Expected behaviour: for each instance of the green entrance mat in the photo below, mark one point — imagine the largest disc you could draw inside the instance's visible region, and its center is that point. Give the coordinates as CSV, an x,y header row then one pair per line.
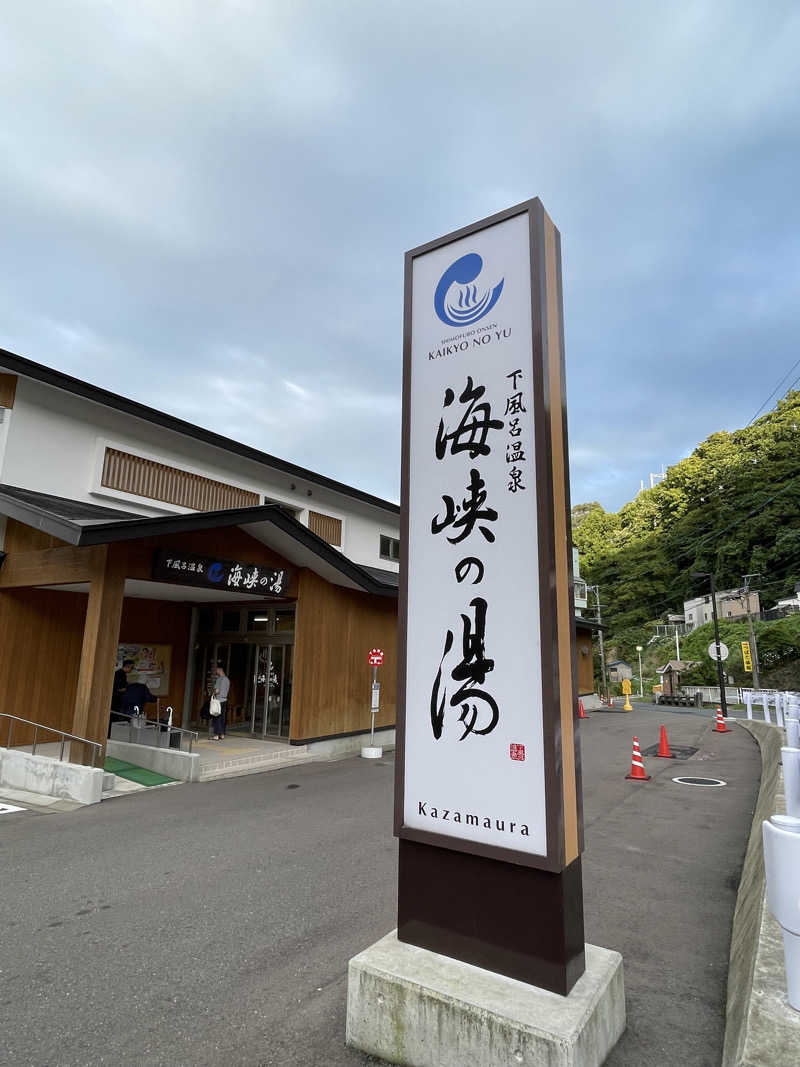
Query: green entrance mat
x,y
140,775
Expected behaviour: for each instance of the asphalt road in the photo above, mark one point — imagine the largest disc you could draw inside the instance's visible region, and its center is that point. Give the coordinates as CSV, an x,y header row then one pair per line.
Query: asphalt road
x,y
212,923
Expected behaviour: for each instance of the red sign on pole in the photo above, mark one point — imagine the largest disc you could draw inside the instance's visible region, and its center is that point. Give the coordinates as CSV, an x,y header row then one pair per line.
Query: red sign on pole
x,y
375,657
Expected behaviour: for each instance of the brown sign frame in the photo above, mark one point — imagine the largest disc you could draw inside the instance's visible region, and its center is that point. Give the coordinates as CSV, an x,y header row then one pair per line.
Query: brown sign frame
x,y
563,792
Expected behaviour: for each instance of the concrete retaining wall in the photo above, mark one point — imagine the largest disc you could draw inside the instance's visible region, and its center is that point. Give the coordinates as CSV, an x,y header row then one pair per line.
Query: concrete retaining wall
x,y
749,913
50,777
173,763
350,746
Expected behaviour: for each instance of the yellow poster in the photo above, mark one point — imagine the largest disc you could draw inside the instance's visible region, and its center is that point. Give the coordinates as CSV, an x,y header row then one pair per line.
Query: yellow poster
x,y
747,658
151,665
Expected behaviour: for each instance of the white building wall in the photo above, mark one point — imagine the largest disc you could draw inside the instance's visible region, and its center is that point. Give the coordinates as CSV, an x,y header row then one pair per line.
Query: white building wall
x,y
56,442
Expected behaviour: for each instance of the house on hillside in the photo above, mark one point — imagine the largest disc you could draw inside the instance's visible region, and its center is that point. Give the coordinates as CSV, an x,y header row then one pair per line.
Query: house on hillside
x,y
731,604
579,587
619,669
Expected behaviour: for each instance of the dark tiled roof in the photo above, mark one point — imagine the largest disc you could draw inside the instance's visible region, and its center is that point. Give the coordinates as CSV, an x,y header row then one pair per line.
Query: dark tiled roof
x,y
77,511
387,577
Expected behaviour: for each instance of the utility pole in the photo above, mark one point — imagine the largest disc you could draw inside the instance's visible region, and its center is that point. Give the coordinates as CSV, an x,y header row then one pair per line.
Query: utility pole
x,y
596,590
720,672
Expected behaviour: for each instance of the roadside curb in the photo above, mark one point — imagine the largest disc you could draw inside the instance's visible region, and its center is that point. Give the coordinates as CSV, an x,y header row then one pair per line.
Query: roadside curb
x,y
747,1016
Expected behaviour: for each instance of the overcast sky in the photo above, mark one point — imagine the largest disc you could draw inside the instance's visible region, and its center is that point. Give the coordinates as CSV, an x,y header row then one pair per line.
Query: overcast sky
x,y
206,205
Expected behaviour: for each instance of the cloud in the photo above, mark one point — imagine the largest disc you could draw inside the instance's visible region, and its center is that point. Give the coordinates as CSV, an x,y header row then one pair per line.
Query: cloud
x,y
207,205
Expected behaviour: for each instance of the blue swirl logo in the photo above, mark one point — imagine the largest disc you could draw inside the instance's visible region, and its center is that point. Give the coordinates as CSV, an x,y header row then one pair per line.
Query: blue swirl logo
x,y
215,573
465,304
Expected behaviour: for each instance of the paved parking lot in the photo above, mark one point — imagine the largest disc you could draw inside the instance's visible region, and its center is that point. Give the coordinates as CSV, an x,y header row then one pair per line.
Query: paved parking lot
x,y
213,923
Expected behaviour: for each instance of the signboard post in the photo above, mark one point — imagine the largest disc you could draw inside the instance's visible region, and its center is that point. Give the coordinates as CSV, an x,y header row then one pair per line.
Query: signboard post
x,y
747,658
488,784
488,781
626,692
375,659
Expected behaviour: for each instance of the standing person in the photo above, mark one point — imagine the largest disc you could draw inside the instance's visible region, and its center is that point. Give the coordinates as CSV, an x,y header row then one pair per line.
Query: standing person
x,y
222,686
118,692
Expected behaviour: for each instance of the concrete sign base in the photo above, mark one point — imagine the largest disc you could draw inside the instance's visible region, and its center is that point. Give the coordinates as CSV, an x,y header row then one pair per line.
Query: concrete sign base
x,y
414,1007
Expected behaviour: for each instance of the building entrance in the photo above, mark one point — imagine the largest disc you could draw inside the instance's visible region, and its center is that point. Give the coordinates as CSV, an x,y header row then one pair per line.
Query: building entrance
x,y
271,696
258,659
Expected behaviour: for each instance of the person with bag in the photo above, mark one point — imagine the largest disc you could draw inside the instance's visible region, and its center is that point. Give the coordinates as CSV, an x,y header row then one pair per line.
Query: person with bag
x,y
218,708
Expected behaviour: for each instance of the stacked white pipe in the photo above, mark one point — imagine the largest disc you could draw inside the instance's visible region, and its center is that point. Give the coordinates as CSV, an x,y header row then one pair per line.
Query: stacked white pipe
x,y
782,862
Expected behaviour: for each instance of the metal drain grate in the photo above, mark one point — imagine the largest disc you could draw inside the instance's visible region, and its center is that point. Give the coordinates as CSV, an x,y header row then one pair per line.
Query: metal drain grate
x,y
709,782
678,751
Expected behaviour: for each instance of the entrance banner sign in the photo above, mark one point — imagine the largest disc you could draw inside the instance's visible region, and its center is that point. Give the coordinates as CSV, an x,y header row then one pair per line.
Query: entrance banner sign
x,y
487,676
210,572
747,657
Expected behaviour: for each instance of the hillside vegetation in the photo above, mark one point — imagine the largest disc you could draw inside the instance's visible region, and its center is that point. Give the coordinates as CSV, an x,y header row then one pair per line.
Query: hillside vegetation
x,y
732,507
778,643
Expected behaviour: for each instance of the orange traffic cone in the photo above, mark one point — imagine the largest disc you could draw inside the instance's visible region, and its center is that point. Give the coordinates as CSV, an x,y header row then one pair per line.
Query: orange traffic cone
x,y
581,713
637,766
611,702
663,746
720,728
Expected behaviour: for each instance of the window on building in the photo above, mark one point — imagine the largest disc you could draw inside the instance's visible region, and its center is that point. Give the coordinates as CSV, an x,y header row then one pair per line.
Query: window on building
x,y
284,620
390,548
326,527
271,620
231,622
158,481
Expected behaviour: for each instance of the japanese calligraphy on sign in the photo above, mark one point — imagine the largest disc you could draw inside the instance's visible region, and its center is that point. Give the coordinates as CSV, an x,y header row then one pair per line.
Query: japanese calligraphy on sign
x,y
477,721
184,568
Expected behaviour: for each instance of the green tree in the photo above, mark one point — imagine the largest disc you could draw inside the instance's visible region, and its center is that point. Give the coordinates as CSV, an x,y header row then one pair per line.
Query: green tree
x,y
731,507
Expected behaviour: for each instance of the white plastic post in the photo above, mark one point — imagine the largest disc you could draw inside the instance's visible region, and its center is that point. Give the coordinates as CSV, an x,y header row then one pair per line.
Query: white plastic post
x,y
765,704
791,780
793,733
373,751
779,699
748,699
782,865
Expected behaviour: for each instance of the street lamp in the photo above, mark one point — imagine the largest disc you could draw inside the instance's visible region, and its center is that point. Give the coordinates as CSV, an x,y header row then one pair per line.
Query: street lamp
x,y
720,675
641,686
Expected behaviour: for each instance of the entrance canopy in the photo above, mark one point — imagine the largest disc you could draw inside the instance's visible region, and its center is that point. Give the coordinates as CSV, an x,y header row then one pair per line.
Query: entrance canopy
x,y
82,524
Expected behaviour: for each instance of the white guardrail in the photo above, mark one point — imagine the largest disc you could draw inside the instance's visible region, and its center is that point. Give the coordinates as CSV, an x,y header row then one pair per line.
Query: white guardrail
x,y
774,705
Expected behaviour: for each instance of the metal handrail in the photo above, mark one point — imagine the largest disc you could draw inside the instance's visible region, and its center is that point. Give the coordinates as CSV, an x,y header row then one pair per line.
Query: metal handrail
x,y
50,729
163,727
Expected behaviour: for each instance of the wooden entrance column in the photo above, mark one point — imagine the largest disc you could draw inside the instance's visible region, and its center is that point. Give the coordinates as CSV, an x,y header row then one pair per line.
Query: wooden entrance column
x,y
99,651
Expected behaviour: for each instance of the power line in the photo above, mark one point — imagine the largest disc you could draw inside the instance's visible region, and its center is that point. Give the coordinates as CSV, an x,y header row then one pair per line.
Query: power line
x,y
670,603
792,561
725,529
712,493
777,387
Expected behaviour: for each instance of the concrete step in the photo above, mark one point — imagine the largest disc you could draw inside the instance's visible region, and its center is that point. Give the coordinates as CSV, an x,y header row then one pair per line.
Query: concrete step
x,y
236,766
